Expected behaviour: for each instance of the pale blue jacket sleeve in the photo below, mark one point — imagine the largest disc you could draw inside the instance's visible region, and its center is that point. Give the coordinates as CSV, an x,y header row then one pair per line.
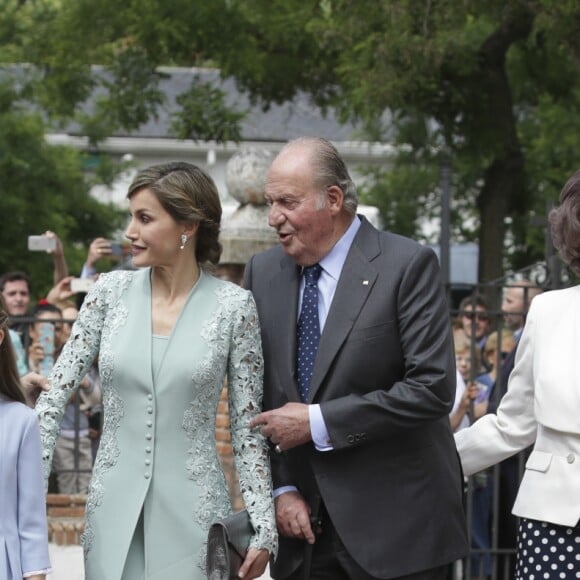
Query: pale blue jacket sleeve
x,y
32,524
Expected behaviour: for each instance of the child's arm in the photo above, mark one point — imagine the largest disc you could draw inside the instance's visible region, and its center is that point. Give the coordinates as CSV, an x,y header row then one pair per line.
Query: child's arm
x,y
32,525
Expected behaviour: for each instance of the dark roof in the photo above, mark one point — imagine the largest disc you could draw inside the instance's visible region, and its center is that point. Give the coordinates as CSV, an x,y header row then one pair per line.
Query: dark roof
x,y
295,118
299,117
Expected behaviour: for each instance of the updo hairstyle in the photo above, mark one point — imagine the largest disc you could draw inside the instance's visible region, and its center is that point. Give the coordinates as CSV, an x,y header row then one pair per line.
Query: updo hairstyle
x,y
188,195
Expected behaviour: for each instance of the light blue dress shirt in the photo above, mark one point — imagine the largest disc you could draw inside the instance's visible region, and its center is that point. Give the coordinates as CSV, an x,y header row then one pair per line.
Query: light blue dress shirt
x,y
332,265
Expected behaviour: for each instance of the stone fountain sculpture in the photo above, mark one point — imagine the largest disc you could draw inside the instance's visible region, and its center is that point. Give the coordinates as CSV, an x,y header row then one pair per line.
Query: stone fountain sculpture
x,y
246,231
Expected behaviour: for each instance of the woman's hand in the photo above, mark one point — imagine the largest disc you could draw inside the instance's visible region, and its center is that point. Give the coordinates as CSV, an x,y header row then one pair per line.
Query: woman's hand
x,y
35,356
33,385
255,564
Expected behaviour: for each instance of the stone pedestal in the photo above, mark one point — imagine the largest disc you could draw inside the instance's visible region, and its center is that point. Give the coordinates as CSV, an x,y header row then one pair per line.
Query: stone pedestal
x,y
246,232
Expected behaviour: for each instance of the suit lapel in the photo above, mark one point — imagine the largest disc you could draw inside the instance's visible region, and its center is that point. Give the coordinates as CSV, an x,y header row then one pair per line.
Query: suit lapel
x,y
354,286
284,290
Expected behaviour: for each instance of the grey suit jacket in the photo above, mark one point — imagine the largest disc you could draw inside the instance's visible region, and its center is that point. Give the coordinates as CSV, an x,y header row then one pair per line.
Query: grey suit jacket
x,y
385,380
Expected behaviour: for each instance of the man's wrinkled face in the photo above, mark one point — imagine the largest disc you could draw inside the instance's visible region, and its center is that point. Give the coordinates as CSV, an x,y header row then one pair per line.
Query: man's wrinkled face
x,y
300,210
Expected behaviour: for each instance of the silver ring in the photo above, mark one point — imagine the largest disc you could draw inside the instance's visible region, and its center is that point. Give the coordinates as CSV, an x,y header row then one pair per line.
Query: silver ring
x,y
278,449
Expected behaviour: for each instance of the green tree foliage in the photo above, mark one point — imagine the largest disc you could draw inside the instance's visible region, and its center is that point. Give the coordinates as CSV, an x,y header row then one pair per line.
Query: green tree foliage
x,y
203,111
43,187
492,85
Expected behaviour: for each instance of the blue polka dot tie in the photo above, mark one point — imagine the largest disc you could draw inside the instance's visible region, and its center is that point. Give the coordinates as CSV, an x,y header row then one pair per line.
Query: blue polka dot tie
x,y
308,332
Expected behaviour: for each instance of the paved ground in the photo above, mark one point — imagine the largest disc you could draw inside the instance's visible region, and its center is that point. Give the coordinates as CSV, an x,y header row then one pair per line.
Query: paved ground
x,y
67,563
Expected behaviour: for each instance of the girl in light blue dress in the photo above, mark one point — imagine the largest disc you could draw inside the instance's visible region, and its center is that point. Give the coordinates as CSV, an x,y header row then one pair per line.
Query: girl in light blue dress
x,y
23,527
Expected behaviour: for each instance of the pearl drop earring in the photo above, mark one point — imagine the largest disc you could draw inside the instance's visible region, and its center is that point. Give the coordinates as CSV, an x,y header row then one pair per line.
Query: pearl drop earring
x,y
183,241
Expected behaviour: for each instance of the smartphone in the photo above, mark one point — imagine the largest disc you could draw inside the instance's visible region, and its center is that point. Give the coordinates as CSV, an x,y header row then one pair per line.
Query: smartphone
x,y
81,284
41,243
116,248
46,340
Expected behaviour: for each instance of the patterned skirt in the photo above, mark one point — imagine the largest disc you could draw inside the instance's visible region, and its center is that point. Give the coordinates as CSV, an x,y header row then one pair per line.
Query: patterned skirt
x,y
547,551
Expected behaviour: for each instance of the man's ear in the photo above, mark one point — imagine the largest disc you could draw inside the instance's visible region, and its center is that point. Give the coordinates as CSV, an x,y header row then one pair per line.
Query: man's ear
x,y
2,335
335,198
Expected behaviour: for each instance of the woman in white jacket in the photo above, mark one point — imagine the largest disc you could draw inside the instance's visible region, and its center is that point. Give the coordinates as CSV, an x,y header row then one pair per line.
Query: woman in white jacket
x,y
23,529
542,407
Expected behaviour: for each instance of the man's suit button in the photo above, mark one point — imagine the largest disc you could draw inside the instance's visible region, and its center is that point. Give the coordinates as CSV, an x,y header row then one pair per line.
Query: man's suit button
x,y
570,458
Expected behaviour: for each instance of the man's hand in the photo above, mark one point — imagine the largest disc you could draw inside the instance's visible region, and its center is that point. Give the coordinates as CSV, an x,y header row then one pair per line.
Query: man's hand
x,y
287,427
32,385
99,248
293,517
60,292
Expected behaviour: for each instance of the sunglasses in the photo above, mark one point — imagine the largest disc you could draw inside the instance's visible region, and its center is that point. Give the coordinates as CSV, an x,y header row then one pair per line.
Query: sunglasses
x,y
491,354
480,316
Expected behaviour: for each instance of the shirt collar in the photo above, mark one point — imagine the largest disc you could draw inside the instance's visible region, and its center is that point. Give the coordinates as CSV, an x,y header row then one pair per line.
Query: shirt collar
x,y
333,262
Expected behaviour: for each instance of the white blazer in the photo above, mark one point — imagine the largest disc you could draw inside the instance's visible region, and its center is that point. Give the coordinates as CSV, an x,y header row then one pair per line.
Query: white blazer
x,y
23,529
541,406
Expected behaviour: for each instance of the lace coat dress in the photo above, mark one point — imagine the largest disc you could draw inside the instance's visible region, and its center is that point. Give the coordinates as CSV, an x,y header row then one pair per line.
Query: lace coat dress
x,y
157,462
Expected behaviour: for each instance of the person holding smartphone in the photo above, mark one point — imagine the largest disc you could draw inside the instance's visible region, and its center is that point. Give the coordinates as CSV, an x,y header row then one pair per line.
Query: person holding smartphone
x,y
43,337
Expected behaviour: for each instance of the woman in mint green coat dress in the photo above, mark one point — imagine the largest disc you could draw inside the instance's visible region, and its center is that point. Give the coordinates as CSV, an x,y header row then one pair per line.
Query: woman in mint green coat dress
x,y
167,336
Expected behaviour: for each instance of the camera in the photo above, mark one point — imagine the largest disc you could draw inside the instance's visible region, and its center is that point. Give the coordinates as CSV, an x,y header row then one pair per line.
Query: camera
x,y
116,248
81,284
41,243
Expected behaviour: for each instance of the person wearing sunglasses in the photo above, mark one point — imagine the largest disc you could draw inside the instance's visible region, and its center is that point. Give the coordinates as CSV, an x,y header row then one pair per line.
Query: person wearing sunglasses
x,y
475,319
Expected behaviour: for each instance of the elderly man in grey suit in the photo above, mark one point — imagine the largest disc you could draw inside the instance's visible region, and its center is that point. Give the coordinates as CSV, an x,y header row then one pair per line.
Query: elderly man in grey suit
x,y
359,381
